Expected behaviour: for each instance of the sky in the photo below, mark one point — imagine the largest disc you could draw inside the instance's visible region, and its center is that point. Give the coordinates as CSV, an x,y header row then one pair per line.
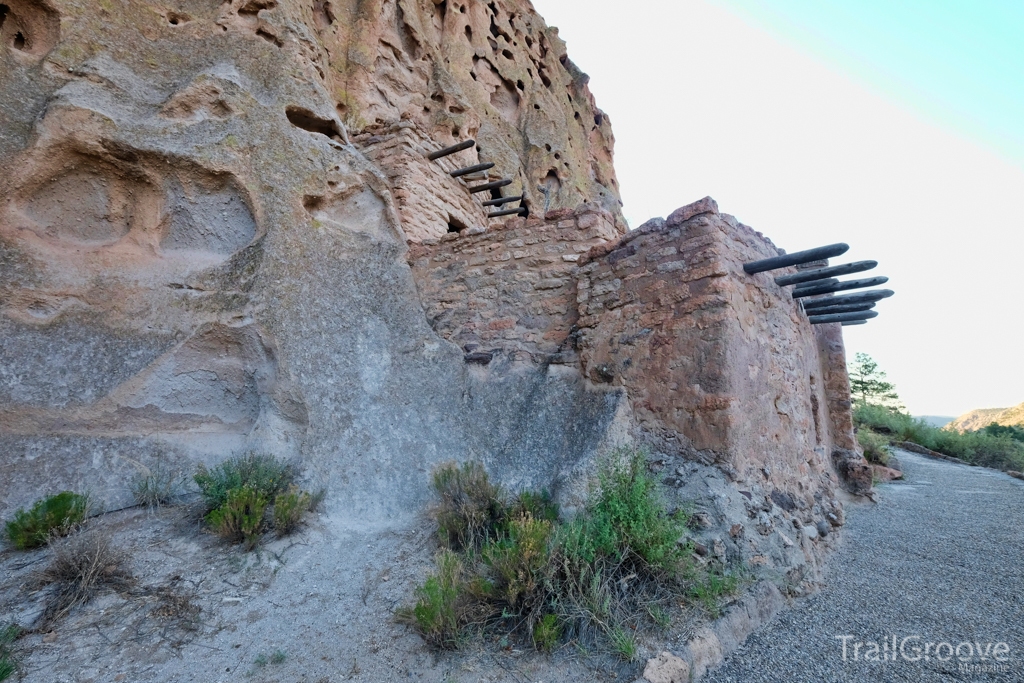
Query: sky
x,y
896,127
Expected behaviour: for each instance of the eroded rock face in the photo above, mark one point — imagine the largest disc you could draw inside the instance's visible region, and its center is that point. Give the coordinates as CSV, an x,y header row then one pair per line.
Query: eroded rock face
x,y
194,262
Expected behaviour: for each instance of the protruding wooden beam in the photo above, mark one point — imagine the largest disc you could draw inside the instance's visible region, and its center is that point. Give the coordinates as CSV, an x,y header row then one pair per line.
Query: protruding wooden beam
x,y
854,322
465,144
859,298
822,273
502,200
841,317
490,186
839,287
849,308
796,258
819,283
507,212
471,169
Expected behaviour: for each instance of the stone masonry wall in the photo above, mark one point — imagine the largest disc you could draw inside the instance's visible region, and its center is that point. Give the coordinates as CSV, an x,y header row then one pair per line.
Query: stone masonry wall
x,y
510,289
719,365
427,198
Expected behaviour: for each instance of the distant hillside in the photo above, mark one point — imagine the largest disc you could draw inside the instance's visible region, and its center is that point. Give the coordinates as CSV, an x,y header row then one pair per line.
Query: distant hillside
x,y
976,419
935,420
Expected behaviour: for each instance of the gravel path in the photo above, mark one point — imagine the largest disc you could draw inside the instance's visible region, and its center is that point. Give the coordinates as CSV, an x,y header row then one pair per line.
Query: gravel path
x,y
939,562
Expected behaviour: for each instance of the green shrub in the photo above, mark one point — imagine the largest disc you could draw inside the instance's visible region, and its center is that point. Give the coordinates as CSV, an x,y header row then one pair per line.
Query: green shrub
x,y
511,566
628,514
546,633
709,590
56,515
241,517
8,634
264,474
436,613
289,508
470,509
518,562
623,643
875,446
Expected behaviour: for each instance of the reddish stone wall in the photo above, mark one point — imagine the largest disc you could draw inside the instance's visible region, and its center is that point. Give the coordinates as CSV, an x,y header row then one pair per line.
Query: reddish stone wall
x,y
718,365
511,288
426,196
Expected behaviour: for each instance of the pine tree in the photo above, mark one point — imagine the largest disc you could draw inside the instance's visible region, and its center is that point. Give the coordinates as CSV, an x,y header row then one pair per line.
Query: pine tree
x,y
869,386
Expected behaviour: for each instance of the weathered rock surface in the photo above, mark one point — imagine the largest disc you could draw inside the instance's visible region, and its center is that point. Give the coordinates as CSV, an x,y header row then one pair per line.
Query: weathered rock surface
x,y
220,232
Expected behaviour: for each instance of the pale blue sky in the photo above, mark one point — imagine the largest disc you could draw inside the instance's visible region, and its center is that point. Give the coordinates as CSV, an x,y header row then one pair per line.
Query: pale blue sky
x,y
895,127
959,63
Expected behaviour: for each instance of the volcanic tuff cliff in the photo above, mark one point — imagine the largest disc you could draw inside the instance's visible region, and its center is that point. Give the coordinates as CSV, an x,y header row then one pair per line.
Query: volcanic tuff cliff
x,y
220,231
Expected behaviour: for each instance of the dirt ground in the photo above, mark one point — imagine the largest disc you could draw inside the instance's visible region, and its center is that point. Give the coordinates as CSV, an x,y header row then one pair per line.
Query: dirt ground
x,y
315,607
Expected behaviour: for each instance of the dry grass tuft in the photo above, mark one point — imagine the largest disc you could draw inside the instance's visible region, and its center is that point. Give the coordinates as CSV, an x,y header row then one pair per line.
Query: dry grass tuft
x,y
83,565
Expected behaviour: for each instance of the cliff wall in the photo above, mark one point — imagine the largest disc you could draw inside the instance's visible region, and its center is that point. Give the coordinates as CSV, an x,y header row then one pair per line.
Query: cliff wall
x,y
220,232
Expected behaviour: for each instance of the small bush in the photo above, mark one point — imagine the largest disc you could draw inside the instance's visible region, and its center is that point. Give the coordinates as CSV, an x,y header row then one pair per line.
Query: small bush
x,y
511,566
56,515
157,486
470,508
241,515
518,562
875,446
278,657
623,643
547,633
289,508
710,590
8,634
262,473
436,612
83,564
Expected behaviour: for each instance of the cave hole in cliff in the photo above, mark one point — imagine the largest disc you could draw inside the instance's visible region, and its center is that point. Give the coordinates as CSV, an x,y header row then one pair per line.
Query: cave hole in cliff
x,y
551,182
307,120
176,19
454,224
598,119
462,9
469,33
323,13
4,9
253,7
544,77
507,54
521,86
19,41
269,37
529,42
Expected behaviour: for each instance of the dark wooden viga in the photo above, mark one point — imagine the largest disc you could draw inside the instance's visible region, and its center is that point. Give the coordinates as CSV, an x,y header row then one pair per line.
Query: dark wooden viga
x,y
796,258
854,322
471,169
841,317
521,210
502,200
490,186
822,273
859,298
839,287
808,285
465,144
849,308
